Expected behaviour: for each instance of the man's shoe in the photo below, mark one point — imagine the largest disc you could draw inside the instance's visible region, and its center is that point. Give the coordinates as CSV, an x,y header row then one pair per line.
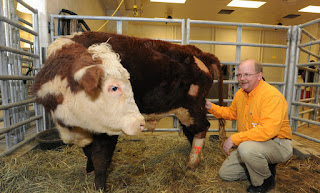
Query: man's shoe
x,y
267,185
272,168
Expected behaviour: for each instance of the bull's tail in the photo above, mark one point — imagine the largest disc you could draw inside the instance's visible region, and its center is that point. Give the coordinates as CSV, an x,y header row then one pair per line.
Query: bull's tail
x,y
222,131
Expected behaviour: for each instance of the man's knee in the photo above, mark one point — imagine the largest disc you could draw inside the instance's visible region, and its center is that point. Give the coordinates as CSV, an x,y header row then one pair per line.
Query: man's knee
x,y
246,149
227,174
224,175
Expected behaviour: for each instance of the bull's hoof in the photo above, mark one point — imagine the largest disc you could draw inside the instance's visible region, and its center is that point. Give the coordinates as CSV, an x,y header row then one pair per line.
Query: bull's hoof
x,y
194,160
192,164
91,172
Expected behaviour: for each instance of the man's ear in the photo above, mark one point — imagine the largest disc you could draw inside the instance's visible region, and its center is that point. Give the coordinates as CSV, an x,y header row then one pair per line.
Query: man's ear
x,y
90,79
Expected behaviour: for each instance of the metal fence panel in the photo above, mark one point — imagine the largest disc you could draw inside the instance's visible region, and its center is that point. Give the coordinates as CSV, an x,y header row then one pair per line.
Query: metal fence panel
x,y
22,117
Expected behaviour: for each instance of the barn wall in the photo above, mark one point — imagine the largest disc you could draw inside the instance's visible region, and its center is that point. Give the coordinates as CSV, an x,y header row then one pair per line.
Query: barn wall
x,y
81,7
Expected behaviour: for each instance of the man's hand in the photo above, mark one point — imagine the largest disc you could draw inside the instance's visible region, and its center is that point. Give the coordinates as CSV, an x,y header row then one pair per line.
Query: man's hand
x,y
208,104
227,146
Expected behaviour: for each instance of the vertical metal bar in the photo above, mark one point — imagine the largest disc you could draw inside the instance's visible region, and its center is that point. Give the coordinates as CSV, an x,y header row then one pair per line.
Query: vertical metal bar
x,y
238,59
4,71
40,123
182,31
188,32
294,55
296,109
52,27
289,36
119,27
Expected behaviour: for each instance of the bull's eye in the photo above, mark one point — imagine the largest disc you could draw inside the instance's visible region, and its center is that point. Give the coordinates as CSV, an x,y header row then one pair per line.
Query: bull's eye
x,y
114,88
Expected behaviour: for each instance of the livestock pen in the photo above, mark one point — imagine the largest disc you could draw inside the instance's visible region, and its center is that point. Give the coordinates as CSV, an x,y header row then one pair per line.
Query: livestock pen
x,y
155,162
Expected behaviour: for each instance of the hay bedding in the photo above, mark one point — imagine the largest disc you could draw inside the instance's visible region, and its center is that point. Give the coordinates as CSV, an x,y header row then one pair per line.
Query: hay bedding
x,y
145,163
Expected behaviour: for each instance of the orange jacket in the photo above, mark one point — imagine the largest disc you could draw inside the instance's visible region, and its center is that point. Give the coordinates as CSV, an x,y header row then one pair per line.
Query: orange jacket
x,y
261,115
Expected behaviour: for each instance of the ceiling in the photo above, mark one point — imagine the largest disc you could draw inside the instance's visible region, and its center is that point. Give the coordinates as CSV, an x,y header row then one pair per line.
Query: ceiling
x,y
272,12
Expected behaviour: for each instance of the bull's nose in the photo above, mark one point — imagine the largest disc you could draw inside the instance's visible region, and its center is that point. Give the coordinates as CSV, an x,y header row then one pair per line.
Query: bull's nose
x,y
142,126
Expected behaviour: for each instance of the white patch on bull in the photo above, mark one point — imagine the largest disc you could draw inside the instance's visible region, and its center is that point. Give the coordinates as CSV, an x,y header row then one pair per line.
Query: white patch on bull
x,y
195,155
110,60
76,135
55,86
201,65
193,90
181,113
60,42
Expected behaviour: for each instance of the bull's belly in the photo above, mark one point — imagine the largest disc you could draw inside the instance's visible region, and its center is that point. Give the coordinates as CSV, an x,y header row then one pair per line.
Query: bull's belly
x,y
181,113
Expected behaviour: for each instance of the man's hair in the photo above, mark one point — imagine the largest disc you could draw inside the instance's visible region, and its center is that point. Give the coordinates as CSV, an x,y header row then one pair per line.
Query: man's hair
x,y
257,65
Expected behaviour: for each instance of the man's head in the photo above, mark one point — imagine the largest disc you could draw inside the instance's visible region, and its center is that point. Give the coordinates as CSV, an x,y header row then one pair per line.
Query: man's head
x,y
249,74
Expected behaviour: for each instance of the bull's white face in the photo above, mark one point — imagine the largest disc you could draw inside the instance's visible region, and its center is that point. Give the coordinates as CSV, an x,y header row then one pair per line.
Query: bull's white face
x,y
112,110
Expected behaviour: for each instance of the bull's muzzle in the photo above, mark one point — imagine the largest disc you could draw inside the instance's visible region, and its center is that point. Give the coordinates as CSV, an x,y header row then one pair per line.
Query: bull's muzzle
x,y
133,124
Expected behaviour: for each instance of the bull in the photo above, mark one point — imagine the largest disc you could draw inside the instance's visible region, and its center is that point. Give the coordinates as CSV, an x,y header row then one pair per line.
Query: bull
x,y
166,78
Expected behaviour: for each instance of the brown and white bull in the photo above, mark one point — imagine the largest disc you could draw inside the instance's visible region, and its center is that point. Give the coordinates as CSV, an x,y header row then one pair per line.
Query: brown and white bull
x,y
166,79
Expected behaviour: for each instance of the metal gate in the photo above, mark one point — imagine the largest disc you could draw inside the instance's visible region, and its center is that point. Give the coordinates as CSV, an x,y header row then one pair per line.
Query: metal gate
x,y
238,28
305,108
20,115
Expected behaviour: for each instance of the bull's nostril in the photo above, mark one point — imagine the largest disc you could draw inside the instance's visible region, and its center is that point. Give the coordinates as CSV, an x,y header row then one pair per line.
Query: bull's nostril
x,y
141,126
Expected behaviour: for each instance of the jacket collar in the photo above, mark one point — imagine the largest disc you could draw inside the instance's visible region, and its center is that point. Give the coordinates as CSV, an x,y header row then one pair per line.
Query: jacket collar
x,y
255,90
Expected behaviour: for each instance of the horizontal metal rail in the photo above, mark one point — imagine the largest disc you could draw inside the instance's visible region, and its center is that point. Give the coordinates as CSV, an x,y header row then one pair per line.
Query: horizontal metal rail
x,y
306,120
306,111
236,82
16,104
307,100
309,23
237,24
310,53
27,60
306,136
306,104
25,22
27,6
309,43
308,34
87,17
15,77
17,25
308,64
307,84
26,41
263,64
236,44
13,50
17,146
21,123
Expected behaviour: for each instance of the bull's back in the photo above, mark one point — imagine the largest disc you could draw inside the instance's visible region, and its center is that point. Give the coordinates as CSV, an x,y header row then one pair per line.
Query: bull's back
x,y
161,73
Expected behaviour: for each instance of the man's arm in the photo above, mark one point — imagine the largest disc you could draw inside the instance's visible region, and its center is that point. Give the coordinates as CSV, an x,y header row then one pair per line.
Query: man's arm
x,y
228,113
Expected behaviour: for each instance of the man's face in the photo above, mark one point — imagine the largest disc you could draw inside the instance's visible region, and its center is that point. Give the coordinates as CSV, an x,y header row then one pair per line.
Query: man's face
x,y
248,78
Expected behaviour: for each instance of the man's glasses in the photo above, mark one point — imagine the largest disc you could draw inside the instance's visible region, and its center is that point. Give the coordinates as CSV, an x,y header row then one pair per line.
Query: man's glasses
x,y
245,75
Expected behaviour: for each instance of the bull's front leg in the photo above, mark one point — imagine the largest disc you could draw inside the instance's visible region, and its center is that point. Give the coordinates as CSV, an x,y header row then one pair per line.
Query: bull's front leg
x,y
88,152
196,154
101,151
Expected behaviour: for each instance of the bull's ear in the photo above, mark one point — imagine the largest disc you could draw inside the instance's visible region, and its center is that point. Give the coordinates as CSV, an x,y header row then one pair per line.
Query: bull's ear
x,y
90,79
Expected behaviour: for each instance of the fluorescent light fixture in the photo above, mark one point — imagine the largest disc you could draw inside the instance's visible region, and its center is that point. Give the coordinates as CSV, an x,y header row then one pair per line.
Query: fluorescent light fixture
x,y
168,1
311,9
246,4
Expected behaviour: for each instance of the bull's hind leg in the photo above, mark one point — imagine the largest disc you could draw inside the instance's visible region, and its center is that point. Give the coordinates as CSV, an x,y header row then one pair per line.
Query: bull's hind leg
x,y
196,134
100,154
